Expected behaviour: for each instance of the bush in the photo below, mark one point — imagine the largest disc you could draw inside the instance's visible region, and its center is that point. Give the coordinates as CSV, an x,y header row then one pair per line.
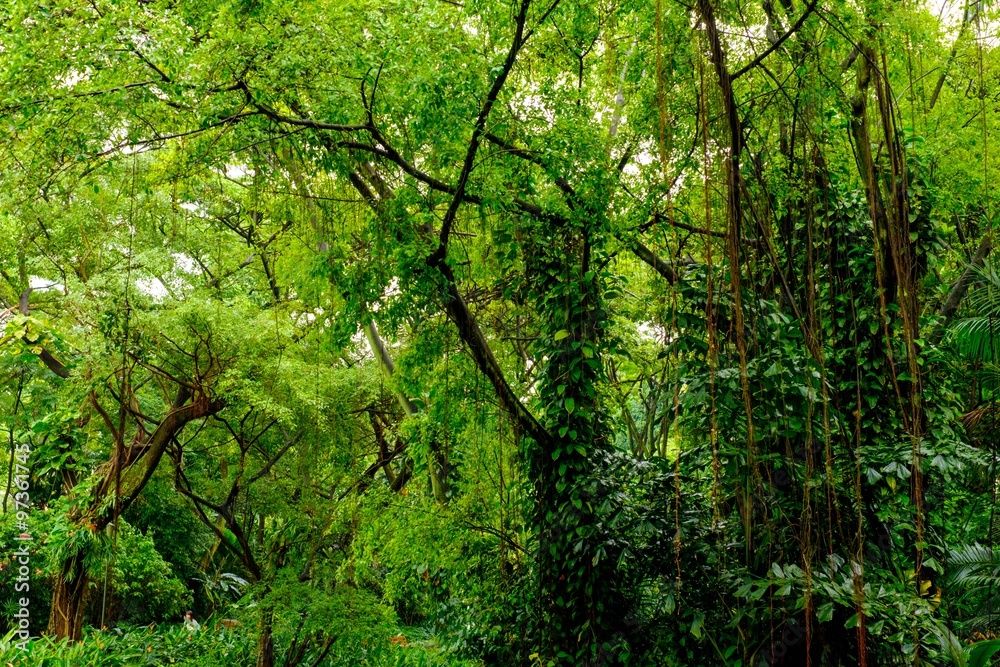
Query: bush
x,y
134,646
143,588
144,583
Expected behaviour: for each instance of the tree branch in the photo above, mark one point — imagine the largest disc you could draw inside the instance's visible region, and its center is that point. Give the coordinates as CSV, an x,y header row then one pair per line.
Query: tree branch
x,y
666,269
778,42
470,153
51,362
177,418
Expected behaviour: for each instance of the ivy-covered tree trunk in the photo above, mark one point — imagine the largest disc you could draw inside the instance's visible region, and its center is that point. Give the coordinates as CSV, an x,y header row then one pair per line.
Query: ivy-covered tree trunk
x,y
581,609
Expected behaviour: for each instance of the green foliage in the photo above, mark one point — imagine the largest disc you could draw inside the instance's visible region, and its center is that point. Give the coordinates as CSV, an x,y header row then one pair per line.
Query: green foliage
x,y
131,646
142,587
143,582
526,333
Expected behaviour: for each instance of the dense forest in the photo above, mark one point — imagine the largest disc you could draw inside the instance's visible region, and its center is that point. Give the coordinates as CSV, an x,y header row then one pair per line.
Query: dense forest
x,y
564,333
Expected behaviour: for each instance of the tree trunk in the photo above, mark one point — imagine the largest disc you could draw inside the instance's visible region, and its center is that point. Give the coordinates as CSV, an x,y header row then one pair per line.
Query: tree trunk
x,y
265,641
69,599
437,459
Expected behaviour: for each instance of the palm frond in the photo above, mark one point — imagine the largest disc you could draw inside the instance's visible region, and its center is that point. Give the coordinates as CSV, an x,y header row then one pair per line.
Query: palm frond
x,y
974,566
985,298
977,338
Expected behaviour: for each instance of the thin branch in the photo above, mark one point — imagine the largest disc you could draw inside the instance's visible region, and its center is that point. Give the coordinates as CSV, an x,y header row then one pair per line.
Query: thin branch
x,y
470,153
301,122
778,42
274,459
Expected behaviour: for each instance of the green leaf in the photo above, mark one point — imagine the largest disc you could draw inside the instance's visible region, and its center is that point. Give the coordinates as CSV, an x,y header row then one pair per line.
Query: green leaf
x,y
981,652
698,623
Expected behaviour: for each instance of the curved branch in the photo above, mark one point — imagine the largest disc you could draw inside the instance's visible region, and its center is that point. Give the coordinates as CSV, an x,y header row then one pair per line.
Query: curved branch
x,y
479,347
53,364
470,154
178,417
666,269
300,122
778,42
472,336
